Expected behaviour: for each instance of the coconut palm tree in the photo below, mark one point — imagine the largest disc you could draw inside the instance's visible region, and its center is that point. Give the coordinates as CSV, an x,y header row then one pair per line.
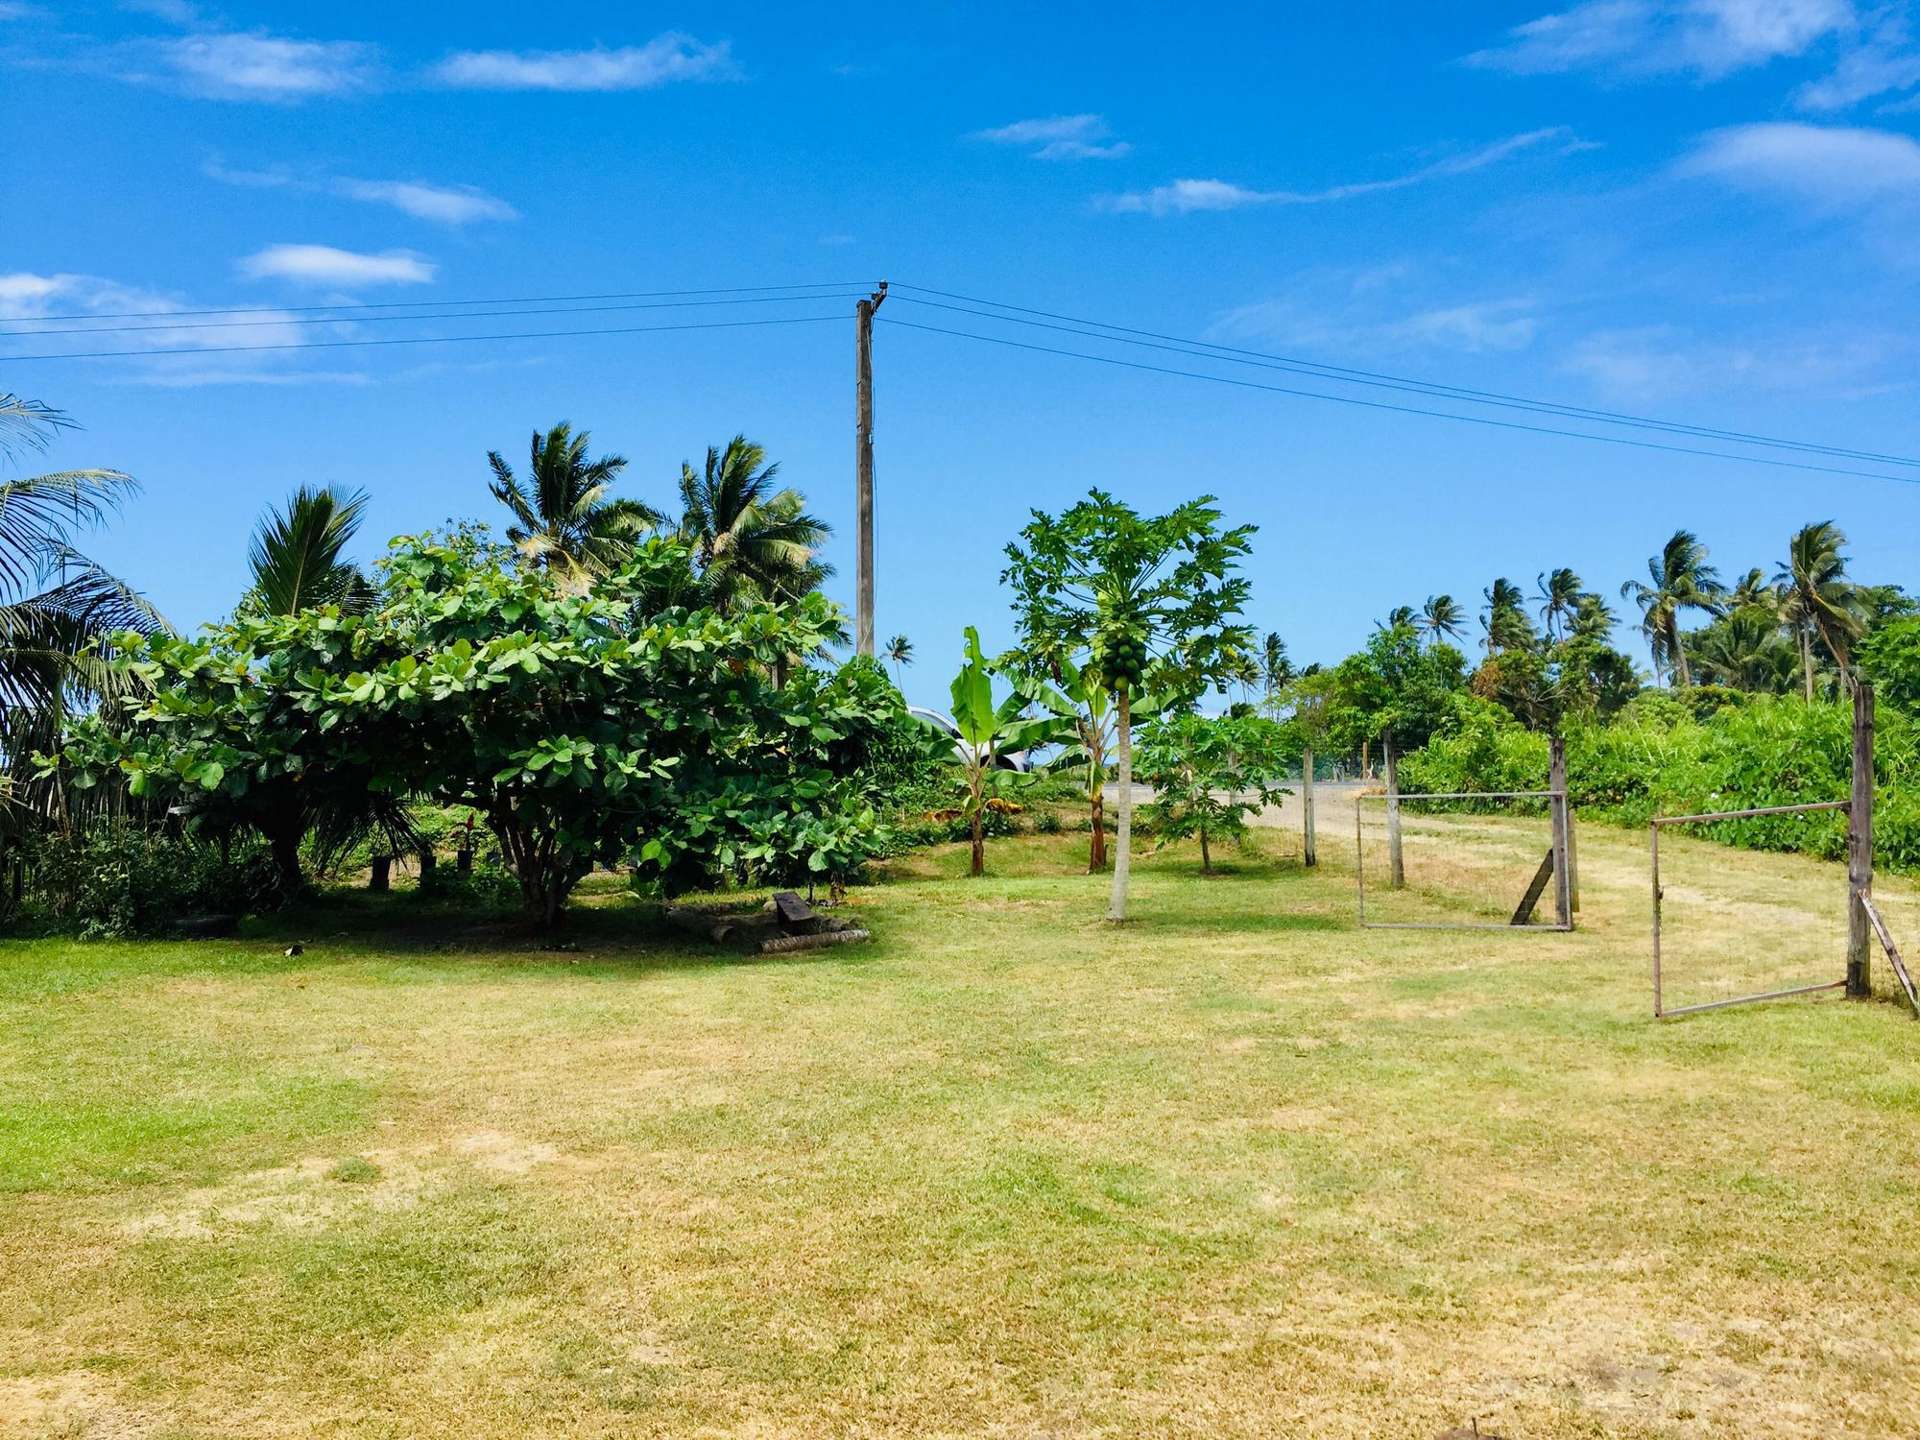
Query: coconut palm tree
x,y
1681,580
296,554
564,517
1442,617
751,541
1816,597
899,653
1401,617
57,607
1275,668
1505,618
1746,650
1593,618
1753,591
1559,593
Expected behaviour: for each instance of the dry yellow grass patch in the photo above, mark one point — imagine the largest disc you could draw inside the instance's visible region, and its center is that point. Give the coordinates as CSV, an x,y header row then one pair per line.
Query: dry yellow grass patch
x,y
1237,1169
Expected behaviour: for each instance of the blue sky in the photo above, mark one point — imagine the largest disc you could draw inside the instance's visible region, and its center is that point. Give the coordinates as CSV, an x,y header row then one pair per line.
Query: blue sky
x,y
1702,211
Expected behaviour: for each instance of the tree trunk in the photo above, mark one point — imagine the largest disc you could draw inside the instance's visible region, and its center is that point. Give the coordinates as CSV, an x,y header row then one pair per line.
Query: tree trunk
x,y
979,843
1096,799
284,843
1123,841
1206,855
1682,675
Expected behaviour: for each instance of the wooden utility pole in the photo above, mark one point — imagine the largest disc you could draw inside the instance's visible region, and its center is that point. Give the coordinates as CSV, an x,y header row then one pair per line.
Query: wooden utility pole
x,y
1860,847
863,463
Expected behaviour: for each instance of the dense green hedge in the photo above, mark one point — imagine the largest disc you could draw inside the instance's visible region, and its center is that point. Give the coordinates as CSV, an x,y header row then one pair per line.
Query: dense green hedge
x,y
1657,758
116,879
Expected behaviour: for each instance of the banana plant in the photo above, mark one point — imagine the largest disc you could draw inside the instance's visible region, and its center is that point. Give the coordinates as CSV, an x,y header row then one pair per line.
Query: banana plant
x,y
1083,708
988,732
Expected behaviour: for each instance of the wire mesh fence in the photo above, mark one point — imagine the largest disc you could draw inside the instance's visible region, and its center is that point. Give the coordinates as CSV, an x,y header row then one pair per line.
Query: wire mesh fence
x,y
1707,911
1482,860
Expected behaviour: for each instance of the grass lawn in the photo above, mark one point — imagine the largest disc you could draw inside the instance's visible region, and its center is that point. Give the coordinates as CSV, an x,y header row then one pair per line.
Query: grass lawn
x,y
1239,1168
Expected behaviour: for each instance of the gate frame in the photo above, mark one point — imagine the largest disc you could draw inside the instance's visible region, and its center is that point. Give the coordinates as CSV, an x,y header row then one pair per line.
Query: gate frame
x,y
1660,1012
1560,817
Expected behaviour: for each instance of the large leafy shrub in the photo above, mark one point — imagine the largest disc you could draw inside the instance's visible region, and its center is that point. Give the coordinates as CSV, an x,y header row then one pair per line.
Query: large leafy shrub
x,y
585,728
115,879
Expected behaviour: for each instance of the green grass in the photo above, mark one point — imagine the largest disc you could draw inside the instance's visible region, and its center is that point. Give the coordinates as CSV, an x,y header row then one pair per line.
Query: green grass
x,y
1238,1168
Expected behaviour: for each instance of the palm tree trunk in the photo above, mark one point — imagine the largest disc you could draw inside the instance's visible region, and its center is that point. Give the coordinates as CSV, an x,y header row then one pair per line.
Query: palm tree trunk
x,y
1806,660
1682,676
1123,841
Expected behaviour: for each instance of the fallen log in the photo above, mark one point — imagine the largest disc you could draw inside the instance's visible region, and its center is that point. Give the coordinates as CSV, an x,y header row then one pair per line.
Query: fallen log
x,y
784,944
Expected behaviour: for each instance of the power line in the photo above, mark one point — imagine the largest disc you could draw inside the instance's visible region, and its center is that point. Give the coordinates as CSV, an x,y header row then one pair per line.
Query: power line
x,y
443,315
1342,374
404,304
1404,409
418,339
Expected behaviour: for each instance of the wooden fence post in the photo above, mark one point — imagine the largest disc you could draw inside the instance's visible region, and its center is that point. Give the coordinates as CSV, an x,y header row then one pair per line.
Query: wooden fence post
x,y
1396,861
380,875
463,861
1860,847
1306,807
1562,831
1573,827
427,861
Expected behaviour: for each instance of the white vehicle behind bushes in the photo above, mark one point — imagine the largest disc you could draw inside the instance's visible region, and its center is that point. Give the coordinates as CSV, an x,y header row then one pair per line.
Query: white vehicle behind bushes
x,y
962,751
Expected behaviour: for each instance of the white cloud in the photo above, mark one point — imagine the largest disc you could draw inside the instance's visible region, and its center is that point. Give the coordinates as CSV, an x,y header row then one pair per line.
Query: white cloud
x,y
1184,197
26,296
1660,362
15,10
325,265
1379,310
257,66
174,12
1882,60
1709,38
446,204
661,61
422,199
1832,167
1498,325
1060,137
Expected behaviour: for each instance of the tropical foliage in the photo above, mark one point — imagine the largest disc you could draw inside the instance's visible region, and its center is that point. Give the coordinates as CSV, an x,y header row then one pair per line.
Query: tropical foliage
x,y
57,607
1209,773
565,516
584,726
1146,599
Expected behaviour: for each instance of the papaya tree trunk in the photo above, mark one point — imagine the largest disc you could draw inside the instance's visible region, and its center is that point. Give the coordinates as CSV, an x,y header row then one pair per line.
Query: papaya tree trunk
x,y
1206,855
1123,841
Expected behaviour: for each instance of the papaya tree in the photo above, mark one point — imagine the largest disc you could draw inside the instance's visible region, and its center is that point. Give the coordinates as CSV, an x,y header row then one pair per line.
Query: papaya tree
x,y
1137,593
1209,772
